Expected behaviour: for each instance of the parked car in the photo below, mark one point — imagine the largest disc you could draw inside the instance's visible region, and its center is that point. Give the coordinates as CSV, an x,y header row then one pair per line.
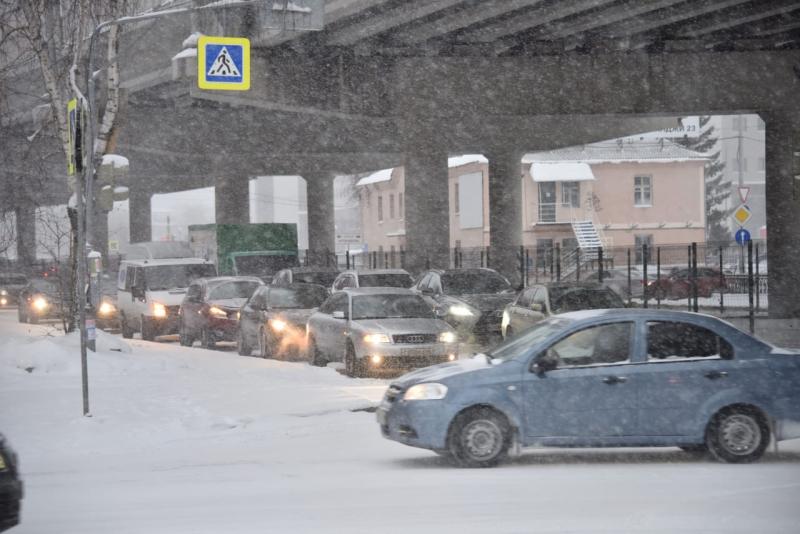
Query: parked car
x,y
107,313
274,319
210,310
678,284
372,278
40,300
323,276
11,487
604,378
150,291
617,280
543,300
383,328
470,300
10,286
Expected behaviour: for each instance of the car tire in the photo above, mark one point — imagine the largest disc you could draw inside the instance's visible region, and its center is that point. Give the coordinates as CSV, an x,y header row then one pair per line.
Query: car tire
x,y
148,333
127,331
738,434
480,438
207,340
183,336
353,367
21,315
315,358
241,345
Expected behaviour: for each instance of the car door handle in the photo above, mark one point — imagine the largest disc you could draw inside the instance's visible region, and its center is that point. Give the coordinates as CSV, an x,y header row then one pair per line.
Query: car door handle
x,y
615,379
713,375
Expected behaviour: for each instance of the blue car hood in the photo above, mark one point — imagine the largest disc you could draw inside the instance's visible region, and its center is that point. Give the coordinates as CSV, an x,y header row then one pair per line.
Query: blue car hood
x,y
437,373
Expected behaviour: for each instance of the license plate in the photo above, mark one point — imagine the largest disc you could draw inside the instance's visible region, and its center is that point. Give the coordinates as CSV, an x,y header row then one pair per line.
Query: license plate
x,y
380,414
415,352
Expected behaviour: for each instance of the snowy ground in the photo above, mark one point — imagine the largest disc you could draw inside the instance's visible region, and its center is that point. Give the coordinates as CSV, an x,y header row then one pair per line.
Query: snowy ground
x,y
193,441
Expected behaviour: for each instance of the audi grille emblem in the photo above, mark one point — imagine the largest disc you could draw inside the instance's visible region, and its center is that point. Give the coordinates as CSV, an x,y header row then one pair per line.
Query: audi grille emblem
x,y
415,339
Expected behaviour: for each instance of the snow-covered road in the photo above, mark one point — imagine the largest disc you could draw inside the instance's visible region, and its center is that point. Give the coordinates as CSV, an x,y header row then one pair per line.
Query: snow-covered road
x,y
194,441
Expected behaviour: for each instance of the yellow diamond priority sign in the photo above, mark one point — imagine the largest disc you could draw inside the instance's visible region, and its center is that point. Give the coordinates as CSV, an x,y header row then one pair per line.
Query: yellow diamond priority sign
x,y
742,214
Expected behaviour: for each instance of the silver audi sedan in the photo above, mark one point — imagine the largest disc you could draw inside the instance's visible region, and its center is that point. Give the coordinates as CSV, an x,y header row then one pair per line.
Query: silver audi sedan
x,y
378,328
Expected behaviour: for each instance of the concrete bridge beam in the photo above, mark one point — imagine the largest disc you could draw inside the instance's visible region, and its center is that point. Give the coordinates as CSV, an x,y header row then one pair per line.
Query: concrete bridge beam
x,y
232,200
505,212
139,214
783,213
25,215
426,210
321,229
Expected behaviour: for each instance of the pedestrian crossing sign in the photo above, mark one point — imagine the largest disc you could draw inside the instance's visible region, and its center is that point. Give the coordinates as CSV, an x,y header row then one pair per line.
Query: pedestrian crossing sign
x,y
223,63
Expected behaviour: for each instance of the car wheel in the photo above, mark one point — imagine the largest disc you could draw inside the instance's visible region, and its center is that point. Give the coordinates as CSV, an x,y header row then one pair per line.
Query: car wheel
x,y
183,336
738,435
241,344
127,331
352,365
263,344
314,357
148,333
480,438
21,315
207,339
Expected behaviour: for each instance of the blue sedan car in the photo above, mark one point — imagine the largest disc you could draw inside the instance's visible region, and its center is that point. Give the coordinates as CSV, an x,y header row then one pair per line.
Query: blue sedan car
x,y
604,378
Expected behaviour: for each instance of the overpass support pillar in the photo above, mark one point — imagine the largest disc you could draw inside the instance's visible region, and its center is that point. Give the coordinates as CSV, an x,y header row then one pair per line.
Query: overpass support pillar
x,y
783,212
99,237
25,215
321,229
427,214
232,200
139,216
505,212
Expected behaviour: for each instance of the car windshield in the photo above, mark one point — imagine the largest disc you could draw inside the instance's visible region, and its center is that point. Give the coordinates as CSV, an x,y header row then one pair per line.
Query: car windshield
x,y
570,299
161,277
302,298
514,346
41,285
264,264
241,289
324,278
385,280
390,306
473,283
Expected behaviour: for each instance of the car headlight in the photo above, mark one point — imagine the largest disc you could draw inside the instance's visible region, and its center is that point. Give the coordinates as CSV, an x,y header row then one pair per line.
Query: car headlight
x,y
3,465
278,325
3,292
218,312
3,301
428,391
377,338
106,308
447,337
40,303
460,311
159,310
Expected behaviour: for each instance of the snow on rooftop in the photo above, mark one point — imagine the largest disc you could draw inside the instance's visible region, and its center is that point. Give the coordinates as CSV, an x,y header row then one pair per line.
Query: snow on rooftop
x,y
561,172
618,151
457,161
191,41
290,6
383,175
115,160
189,52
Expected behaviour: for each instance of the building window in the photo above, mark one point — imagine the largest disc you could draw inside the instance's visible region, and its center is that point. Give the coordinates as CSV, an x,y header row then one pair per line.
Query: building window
x,y
391,205
455,199
643,239
642,191
400,213
571,194
380,208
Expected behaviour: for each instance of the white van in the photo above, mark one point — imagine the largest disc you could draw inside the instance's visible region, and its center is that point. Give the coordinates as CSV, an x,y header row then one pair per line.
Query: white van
x,y
150,292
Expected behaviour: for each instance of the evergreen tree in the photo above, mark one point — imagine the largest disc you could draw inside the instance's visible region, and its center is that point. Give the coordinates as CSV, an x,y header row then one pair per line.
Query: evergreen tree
x,y
717,190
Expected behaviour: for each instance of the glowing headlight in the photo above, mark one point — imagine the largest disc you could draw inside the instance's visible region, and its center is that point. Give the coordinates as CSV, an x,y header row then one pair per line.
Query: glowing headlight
x,y
106,308
429,391
3,301
447,337
460,311
377,338
159,310
40,303
218,312
278,325
3,292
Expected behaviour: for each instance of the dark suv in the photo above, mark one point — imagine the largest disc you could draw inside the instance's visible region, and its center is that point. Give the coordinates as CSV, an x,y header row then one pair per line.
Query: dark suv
x,y
10,486
10,286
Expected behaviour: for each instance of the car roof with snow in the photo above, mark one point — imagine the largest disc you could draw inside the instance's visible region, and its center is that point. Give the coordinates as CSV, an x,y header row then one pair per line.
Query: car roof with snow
x,y
360,291
172,261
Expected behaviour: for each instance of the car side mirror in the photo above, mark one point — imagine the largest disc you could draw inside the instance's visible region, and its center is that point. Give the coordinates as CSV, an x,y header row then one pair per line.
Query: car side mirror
x,y
427,291
339,315
545,362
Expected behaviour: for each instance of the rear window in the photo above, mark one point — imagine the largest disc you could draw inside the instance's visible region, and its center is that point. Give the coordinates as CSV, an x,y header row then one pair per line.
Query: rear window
x,y
321,278
562,301
302,298
385,280
667,340
242,289
473,283
163,277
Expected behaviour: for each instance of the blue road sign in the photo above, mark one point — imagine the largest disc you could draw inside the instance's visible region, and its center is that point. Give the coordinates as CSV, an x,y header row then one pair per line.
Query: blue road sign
x,y
223,63
742,236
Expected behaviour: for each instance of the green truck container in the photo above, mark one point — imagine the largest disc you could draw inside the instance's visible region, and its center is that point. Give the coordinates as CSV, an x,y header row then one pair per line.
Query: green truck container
x,y
258,249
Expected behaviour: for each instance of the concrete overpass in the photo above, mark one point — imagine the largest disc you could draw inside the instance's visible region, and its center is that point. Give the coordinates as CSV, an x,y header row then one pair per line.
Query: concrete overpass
x,y
390,82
